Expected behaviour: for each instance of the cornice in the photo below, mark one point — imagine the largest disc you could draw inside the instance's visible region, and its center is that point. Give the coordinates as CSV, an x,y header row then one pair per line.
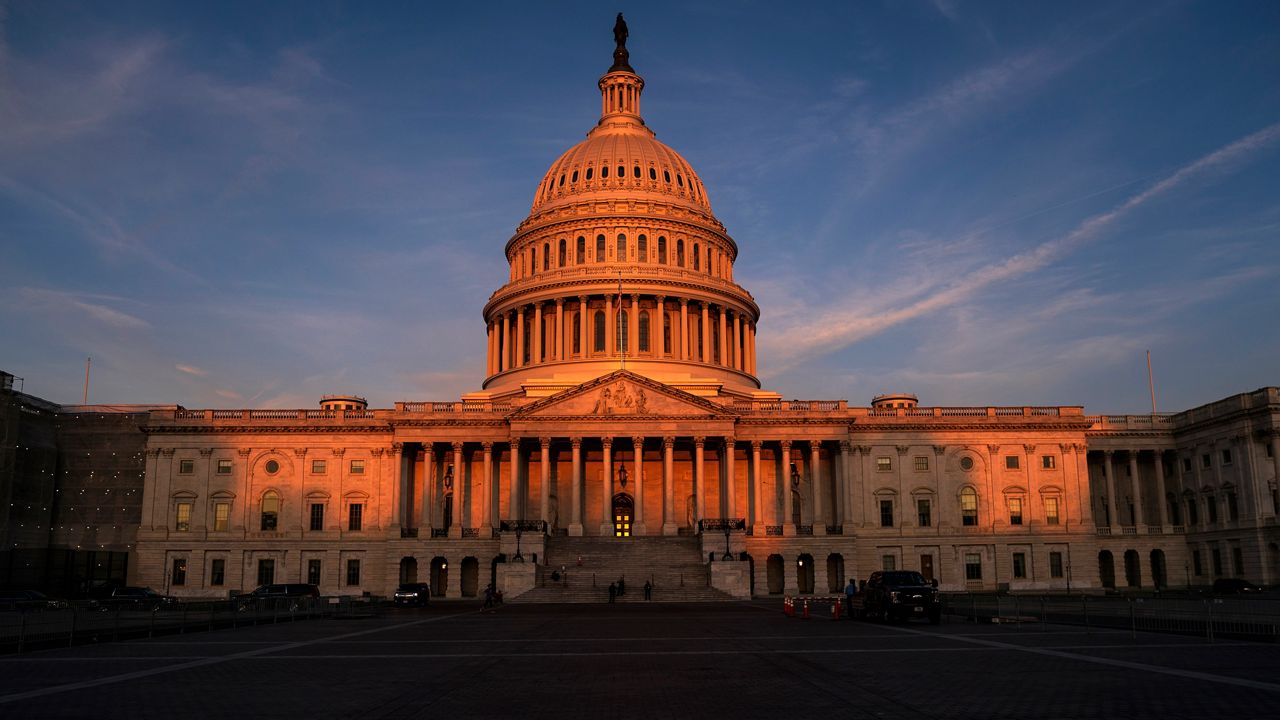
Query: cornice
x,y
264,429
505,296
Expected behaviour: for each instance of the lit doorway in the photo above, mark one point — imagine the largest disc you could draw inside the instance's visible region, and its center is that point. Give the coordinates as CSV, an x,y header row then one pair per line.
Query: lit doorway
x,y
623,508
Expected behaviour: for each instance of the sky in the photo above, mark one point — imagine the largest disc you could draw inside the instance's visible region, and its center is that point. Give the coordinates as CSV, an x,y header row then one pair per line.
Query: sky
x,y
253,204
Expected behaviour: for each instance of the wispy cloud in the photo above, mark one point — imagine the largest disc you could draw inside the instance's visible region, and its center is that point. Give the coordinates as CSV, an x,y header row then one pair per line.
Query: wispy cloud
x,y
191,370
840,325
89,306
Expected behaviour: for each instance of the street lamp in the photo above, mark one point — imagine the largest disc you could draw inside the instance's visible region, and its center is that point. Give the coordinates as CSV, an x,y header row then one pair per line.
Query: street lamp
x,y
728,528
519,532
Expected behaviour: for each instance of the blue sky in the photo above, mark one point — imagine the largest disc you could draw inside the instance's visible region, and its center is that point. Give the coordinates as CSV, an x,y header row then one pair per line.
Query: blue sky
x,y
249,205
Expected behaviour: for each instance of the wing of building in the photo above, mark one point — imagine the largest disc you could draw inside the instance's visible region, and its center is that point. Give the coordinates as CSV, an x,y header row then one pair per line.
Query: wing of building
x,y
621,431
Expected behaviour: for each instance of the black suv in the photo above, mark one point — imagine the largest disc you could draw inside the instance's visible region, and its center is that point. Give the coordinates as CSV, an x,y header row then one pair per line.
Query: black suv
x,y
412,594
132,598
900,595
289,596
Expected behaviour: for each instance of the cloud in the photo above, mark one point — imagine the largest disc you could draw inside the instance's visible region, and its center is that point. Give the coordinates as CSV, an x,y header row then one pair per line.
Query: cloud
x,y
824,330
61,301
191,370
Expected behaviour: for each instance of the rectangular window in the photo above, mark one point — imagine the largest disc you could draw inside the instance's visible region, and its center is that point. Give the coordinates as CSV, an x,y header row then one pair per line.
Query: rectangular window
x,y
183,523
888,562
1186,464
886,513
1226,457
1010,462
357,467
1269,450
266,571
186,467
313,572
317,516
353,572
1055,564
972,566
924,513
1048,462
224,467
922,463
1193,512
1051,510
355,516
884,464
1233,507
1015,511
1197,565
179,575
1206,461
1211,506
1019,566
221,516
217,572
1217,562
1237,561
317,467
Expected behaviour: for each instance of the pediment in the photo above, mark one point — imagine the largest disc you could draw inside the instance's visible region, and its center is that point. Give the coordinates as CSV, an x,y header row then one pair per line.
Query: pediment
x,y
623,394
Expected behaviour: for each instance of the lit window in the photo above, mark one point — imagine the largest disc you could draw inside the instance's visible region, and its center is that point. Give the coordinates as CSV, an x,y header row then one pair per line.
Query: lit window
x,y
353,572
1010,462
221,514
355,516
884,464
224,467
922,463
270,511
1051,510
886,513
183,523
357,467
317,467
1015,511
1019,566
186,467
1048,462
178,576
1055,564
972,566
969,506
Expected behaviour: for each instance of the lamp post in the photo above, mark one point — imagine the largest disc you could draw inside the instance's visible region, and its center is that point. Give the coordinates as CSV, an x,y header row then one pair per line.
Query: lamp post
x,y
519,532
728,528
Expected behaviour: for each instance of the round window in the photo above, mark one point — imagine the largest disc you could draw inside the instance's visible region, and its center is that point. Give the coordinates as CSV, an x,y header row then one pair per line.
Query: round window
x,y
273,467
966,463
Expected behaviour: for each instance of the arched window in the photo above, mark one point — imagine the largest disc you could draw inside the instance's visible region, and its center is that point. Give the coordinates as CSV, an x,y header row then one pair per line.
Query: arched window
x,y
598,342
622,171
577,334
680,180
644,331
533,260
561,184
546,256
574,179
562,253
582,250
680,253
622,248
666,176
636,172
528,338
697,258
604,171
599,248
969,506
708,260
653,174
642,249
588,173
662,250
620,337
666,332
270,511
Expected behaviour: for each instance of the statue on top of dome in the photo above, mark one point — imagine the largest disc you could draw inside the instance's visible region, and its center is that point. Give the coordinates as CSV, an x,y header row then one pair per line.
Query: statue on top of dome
x,y
620,54
620,32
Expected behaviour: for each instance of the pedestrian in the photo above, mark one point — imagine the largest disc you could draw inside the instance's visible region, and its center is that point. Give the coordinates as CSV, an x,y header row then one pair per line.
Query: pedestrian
x,y
613,591
488,597
849,591
622,586
648,590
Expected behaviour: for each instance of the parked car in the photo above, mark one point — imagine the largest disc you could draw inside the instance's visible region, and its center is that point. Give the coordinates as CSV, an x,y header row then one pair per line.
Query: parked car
x,y
898,595
1234,586
283,595
29,601
418,594
133,598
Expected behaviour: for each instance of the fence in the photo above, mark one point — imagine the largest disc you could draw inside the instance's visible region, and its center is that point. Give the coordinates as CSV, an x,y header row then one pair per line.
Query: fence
x,y
1206,616
87,622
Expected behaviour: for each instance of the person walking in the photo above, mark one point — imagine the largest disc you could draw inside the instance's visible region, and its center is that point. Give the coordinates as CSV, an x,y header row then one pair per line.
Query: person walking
x,y
648,590
613,591
849,591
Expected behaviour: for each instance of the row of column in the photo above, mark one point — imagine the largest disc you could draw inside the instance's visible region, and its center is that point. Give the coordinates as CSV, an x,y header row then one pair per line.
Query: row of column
x,y
507,338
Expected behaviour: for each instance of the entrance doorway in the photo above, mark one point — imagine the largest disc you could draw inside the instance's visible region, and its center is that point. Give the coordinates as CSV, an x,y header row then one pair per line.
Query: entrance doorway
x,y
926,567
623,507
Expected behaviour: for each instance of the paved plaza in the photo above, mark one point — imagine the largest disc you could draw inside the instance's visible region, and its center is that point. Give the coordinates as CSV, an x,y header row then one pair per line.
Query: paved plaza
x,y
739,660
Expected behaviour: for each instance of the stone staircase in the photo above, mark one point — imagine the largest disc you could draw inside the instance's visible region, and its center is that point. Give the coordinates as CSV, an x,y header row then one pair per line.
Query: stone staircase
x,y
674,565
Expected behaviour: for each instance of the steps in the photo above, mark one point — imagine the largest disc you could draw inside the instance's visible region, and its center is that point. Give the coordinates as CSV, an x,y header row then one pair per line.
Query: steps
x,y
674,565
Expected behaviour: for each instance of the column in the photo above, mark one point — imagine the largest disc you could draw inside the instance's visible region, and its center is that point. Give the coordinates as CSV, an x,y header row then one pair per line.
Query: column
x,y
637,477
606,489
1275,478
428,475
505,361
1139,515
698,494
633,334
815,479
490,490
737,341
488,366
513,503
459,476
846,479
757,514
684,328
559,352
584,339
519,337
724,339
546,479
537,333
658,332
730,492
610,327
575,523
1162,506
396,456
669,526
788,527
1108,468
705,355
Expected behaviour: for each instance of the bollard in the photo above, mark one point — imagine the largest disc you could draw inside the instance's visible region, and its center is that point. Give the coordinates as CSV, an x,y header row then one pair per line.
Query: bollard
x,y
806,609
835,610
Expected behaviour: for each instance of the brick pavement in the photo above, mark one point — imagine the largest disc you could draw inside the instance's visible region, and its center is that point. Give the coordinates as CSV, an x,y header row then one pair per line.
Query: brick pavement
x,y
741,660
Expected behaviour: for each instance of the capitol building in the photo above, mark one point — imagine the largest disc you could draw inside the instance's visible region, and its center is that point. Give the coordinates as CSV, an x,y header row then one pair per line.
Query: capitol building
x,y
622,430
